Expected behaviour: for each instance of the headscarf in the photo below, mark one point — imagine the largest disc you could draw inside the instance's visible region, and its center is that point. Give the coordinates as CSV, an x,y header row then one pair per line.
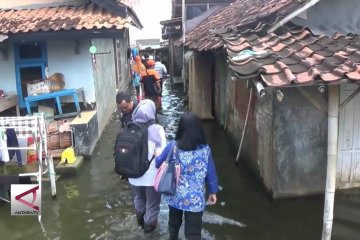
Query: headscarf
x,y
138,67
150,63
145,112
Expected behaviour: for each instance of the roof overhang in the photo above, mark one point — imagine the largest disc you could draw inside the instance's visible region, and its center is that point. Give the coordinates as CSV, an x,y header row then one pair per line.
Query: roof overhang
x,y
67,35
295,57
117,7
96,15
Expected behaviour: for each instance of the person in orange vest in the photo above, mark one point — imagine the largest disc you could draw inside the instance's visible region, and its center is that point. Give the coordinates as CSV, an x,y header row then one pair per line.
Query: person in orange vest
x,y
150,83
137,69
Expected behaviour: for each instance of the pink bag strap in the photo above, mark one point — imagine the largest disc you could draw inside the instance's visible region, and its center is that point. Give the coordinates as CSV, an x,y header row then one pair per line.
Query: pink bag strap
x,y
159,173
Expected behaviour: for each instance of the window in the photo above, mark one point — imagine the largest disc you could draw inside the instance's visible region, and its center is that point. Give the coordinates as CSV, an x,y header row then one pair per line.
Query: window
x,y
30,73
30,51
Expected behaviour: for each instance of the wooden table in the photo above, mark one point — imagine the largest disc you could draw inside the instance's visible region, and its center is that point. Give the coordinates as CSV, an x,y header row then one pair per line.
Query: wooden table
x,y
9,102
54,95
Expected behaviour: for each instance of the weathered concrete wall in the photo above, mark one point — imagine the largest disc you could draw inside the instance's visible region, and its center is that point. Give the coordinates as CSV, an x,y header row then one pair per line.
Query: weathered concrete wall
x,y
178,61
264,127
221,72
237,102
105,80
285,142
300,143
86,133
200,85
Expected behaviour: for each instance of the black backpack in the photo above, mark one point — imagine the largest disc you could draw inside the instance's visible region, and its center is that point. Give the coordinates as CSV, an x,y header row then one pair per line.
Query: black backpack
x,y
131,150
149,85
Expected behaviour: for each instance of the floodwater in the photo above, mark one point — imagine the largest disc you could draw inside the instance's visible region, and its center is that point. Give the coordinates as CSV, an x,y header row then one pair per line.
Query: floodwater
x,y
97,204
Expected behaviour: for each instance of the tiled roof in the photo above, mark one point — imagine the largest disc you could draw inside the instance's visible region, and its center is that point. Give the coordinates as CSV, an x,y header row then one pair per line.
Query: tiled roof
x,y
86,16
295,57
234,16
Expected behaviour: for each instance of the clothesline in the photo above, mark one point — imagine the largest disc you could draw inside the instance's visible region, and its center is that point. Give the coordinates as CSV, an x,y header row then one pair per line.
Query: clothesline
x,y
27,127
14,128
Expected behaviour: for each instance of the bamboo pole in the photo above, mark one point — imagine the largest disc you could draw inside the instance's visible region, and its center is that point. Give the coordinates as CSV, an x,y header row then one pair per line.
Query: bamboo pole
x,y
245,125
333,117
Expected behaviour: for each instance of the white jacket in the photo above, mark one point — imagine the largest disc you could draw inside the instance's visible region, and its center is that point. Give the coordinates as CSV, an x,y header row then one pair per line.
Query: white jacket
x,y
148,178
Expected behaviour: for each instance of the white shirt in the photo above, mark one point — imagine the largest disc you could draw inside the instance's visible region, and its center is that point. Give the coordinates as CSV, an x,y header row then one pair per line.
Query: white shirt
x,y
148,178
161,69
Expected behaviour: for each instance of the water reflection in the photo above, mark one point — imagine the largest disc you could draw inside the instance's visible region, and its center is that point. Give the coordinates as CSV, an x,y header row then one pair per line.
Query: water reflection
x,y
172,109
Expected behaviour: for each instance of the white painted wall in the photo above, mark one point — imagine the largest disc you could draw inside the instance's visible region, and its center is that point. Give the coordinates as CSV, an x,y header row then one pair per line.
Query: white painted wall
x,y
7,72
105,81
76,68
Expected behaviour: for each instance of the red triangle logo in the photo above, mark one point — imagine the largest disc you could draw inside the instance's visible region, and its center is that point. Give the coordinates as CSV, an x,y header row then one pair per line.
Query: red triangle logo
x,y
29,204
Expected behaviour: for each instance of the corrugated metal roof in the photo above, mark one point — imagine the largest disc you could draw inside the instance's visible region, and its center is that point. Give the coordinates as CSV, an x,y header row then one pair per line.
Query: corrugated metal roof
x,y
235,16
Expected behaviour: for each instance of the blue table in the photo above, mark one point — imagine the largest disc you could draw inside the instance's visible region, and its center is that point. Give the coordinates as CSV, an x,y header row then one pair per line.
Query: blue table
x,y
56,95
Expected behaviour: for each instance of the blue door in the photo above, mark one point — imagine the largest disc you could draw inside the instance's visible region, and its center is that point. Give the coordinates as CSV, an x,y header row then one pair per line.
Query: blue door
x,y
30,64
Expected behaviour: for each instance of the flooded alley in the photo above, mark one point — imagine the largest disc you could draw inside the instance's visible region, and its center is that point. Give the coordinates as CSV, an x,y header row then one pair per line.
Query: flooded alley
x,y
96,204
277,84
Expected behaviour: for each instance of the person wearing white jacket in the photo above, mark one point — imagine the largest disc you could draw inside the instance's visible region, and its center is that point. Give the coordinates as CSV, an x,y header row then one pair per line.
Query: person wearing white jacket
x,y
146,199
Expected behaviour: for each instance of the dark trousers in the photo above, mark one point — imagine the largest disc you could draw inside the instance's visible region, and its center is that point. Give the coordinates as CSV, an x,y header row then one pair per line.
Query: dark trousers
x,y
193,224
137,88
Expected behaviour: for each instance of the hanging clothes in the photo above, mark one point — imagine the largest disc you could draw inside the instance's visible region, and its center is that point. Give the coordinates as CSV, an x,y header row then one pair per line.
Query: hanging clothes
x,y
4,154
12,141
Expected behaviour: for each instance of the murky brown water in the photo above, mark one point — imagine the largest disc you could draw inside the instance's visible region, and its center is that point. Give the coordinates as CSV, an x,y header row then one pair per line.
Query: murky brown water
x,y
96,204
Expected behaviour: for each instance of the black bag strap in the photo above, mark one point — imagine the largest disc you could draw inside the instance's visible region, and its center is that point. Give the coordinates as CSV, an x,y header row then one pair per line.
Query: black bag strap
x,y
149,123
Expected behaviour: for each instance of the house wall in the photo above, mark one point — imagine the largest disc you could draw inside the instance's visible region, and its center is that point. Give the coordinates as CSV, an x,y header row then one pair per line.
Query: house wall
x,y
124,71
221,74
264,115
178,61
322,19
7,70
237,99
105,81
200,85
299,142
285,142
77,68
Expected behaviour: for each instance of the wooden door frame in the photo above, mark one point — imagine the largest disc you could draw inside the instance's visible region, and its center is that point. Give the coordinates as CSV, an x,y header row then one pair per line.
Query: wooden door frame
x,y
32,62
